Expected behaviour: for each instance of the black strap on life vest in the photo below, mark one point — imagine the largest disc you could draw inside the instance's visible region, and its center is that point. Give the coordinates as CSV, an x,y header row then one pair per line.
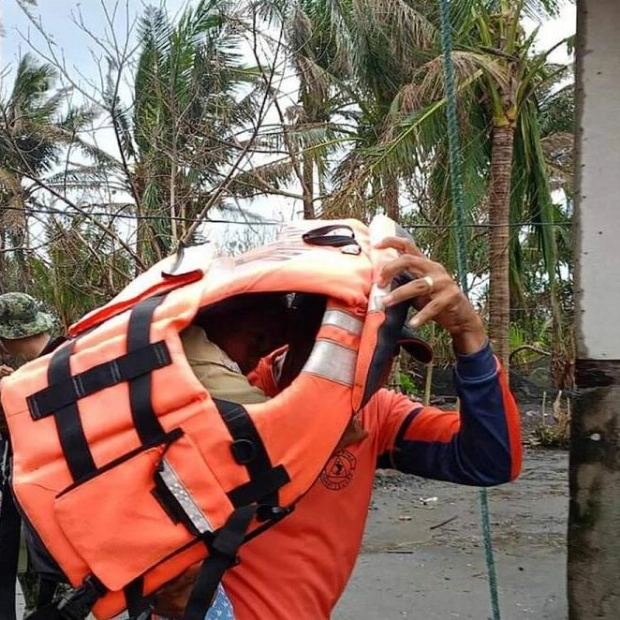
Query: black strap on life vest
x,y
249,450
47,590
145,420
139,607
68,424
10,525
77,605
222,556
137,362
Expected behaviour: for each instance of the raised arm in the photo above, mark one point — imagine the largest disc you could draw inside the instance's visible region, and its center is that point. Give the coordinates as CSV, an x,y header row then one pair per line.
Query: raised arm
x,y
481,445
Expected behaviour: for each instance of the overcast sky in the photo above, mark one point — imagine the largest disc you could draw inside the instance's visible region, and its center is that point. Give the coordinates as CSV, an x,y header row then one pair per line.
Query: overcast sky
x,y
56,16
81,50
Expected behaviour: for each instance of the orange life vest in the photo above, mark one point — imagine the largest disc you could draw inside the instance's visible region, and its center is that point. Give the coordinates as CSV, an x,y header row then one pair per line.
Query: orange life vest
x,y
129,471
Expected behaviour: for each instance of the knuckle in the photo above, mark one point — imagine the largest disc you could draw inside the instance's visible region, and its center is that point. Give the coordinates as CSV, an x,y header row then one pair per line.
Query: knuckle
x,y
443,281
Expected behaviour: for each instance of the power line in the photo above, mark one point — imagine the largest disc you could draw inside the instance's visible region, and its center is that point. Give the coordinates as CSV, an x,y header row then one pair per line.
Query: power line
x,y
128,216
511,225
131,216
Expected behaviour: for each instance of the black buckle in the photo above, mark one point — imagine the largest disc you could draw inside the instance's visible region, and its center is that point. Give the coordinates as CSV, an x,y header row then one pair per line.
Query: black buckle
x,y
243,450
273,513
79,603
230,560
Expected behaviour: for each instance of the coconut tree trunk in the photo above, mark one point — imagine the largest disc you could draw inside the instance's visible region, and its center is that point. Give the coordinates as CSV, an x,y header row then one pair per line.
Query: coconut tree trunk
x,y
308,185
174,232
499,218
390,196
3,274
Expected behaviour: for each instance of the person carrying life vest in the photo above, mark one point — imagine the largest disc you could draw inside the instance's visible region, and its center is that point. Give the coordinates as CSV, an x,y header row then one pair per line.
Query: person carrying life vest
x,y
261,325
299,569
139,473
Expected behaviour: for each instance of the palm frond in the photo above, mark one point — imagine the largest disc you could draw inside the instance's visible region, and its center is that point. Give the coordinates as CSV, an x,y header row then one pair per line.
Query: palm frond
x,y
265,179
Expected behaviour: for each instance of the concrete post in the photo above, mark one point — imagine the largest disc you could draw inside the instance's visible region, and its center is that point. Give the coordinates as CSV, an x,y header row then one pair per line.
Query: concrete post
x,y
594,515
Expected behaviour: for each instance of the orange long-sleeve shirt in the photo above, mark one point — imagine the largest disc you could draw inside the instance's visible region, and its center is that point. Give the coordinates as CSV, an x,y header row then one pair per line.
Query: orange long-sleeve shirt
x,y
298,569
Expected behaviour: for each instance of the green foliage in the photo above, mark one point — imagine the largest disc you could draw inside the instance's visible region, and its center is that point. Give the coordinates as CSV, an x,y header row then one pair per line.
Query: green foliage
x,y
192,93
393,69
407,384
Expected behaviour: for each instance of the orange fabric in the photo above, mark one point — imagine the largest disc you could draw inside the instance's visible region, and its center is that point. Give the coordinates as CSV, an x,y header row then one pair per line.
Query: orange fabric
x,y
514,425
300,567
87,535
435,423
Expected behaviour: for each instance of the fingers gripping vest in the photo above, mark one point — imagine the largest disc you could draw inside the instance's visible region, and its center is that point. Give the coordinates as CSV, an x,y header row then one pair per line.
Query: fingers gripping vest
x,y
129,471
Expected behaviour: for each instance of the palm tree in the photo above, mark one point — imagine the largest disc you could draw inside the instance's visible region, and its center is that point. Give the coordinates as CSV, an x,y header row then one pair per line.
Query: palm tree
x,y
519,181
382,43
499,79
180,135
315,127
311,50
349,71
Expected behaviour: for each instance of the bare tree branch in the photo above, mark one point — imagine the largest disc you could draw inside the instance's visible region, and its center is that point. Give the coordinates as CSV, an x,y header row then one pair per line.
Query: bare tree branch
x,y
261,115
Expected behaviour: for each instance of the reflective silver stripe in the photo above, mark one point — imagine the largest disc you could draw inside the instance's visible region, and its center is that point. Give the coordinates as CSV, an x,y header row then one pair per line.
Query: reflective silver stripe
x,y
186,501
377,293
332,361
344,321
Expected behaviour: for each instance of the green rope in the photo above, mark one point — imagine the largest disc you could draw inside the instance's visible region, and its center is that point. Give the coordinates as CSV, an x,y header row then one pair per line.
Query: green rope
x,y
457,196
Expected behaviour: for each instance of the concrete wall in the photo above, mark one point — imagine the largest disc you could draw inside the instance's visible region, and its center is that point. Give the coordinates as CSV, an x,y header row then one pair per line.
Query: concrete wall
x,y
594,478
598,179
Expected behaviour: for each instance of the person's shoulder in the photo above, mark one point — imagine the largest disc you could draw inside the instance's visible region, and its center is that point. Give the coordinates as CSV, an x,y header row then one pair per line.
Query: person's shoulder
x,y
385,403
200,350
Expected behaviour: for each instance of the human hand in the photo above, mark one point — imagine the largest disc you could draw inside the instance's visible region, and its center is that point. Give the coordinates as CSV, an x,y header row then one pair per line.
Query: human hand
x,y
434,294
5,371
171,600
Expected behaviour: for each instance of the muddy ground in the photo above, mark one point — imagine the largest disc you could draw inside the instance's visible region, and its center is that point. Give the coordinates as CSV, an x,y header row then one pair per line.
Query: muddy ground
x,y
423,555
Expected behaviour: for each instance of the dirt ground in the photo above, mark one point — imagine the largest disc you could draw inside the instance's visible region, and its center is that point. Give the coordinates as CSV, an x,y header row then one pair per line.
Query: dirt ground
x,y
423,555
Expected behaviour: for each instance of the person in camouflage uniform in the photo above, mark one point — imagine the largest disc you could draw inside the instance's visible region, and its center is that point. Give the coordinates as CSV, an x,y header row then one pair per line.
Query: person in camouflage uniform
x,y
25,333
24,329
